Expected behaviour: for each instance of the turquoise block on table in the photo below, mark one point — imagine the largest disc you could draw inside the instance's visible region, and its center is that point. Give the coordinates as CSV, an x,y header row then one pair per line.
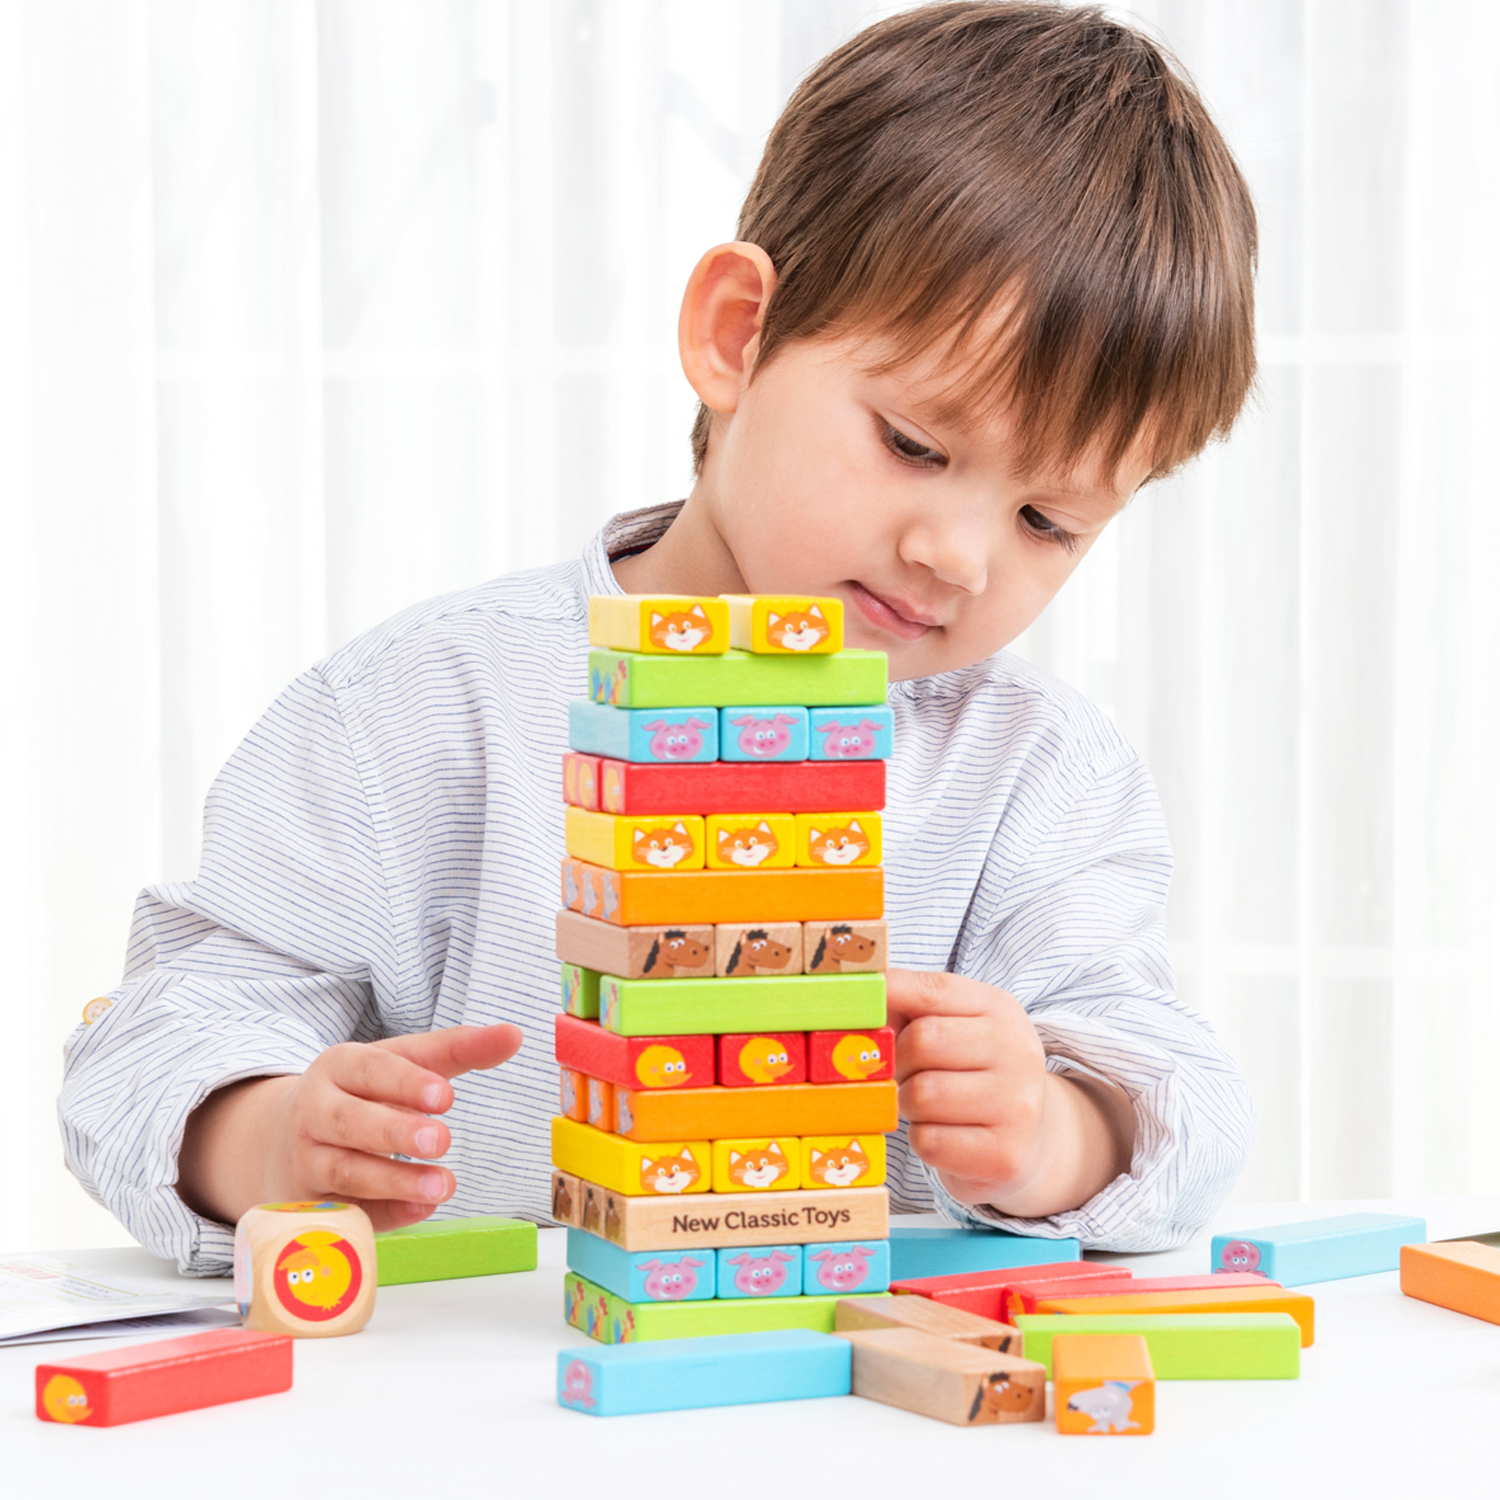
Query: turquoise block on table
x,y
765,1271
651,736
944,1251
643,1275
843,1270
1320,1249
731,1369
852,733
773,733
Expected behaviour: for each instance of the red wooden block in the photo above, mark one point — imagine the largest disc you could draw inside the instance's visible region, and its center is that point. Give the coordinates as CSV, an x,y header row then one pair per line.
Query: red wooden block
x,y
982,1292
155,1380
741,787
581,779
1024,1298
747,1058
633,1062
851,1056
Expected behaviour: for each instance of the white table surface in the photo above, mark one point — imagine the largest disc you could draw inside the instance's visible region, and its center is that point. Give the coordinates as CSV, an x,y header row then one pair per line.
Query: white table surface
x,y
449,1393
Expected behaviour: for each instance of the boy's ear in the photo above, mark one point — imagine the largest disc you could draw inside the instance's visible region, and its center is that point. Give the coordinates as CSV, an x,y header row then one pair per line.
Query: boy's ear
x,y
719,326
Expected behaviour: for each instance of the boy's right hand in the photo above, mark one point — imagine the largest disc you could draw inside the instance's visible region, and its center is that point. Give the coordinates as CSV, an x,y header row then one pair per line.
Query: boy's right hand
x,y
331,1132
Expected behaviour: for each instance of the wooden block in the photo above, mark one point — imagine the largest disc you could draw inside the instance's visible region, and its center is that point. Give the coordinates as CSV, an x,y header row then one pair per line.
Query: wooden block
x,y
844,947
634,843
592,1215
633,1062
1103,1383
989,1294
665,624
743,950
643,1275
692,1007
920,1252
727,1370
567,1200
731,1220
859,733
743,1165
791,1109
635,680
752,841
758,1059
774,732
1462,1275
1232,1299
843,1161
581,780
601,1101
580,986
1186,1346
307,1269
766,1271
671,736
572,1094
845,1268
964,1384
851,1056
448,1249
838,840
740,788
927,1316
634,952
155,1380
614,1162
1320,1249
785,624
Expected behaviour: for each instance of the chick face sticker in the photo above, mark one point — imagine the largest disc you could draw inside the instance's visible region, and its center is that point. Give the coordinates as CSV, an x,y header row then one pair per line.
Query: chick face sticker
x,y
65,1400
317,1276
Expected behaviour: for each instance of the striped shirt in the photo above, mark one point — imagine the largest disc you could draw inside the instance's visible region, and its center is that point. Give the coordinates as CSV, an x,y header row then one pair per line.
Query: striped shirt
x,y
381,857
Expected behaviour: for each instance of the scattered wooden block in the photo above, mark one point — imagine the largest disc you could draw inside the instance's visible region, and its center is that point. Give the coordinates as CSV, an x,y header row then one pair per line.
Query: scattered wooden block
x,y
601,1102
727,1370
572,1094
624,1166
851,1056
754,841
664,624
986,1293
643,1276
567,1200
744,1165
633,952
634,843
1462,1275
757,1059
844,1160
448,1249
580,986
740,788
1103,1383
670,736
634,680
1320,1249
927,1316
581,779
838,840
764,1271
763,734
1186,1346
698,1007
155,1380
307,1269
633,1062
785,624
965,1384
862,733
1232,1299
843,1269
838,1111
920,1252
844,947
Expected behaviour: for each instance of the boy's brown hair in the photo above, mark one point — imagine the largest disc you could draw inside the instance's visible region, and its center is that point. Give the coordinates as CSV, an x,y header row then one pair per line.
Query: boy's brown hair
x,y
1040,162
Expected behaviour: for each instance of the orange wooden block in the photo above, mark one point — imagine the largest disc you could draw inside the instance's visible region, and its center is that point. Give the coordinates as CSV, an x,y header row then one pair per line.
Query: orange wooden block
x,y
601,1102
1103,1383
1461,1275
841,1111
1249,1299
572,1094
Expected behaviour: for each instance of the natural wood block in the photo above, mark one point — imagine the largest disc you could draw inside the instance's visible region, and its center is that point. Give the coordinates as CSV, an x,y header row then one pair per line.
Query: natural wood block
x,y
1320,1249
580,989
785,624
862,1110
449,1249
744,1165
665,736
1232,1299
838,840
1186,1346
985,1293
927,1316
567,1200
633,1062
753,841
592,1215
758,1059
155,1380
643,1276
601,1110
866,732
851,1056
844,1160
743,950
924,1251
740,788
637,680
844,947
1462,1275
581,779
1103,1383
695,1007
634,842
773,732
307,1269
613,1162
634,952
572,1094
730,1220
965,1384
665,624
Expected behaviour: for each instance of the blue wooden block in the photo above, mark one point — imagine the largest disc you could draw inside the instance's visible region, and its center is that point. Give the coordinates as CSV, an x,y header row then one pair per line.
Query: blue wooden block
x,y
643,1275
654,736
730,1369
851,733
1320,1249
951,1252
844,1269
765,1271
758,734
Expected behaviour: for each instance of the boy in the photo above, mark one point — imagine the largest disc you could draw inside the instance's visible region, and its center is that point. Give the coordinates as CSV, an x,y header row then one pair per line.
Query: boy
x,y
994,273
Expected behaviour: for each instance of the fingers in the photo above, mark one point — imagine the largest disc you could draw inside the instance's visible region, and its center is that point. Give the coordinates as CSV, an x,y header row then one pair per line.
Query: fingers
x,y
384,1075
973,1154
456,1049
959,1099
337,1172
910,993
338,1118
948,1043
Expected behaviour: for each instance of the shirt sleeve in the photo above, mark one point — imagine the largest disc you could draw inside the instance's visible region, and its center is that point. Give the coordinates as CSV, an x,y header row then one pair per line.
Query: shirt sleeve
x,y
1074,927
272,955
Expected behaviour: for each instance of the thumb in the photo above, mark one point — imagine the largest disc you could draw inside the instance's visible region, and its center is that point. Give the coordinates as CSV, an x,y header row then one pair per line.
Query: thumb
x,y
458,1049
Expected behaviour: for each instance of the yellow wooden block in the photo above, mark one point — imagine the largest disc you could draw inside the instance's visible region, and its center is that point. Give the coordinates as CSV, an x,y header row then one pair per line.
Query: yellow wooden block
x,y
660,624
785,624
838,840
629,1167
842,1161
764,1165
635,843
1240,1299
751,841
1103,1383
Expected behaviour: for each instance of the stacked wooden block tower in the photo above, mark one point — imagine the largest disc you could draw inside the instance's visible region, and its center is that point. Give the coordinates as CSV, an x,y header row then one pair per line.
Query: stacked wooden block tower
x,y
726,1073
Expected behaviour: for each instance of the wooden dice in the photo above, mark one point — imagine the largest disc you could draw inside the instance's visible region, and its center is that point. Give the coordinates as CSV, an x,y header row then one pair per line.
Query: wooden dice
x,y
307,1269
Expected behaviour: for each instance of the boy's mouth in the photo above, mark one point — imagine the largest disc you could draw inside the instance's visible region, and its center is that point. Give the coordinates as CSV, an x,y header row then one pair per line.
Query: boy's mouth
x,y
902,619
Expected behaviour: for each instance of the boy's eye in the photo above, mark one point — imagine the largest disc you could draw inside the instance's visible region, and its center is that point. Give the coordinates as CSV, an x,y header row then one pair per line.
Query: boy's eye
x,y
1050,530
910,449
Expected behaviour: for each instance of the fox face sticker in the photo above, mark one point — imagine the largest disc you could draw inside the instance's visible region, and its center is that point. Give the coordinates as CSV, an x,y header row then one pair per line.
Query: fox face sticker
x,y
749,846
762,1168
840,844
797,630
674,1173
838,1166
684,630
663,847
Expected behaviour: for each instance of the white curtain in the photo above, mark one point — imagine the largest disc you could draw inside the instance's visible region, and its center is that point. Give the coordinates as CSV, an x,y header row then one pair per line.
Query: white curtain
x,y
308,311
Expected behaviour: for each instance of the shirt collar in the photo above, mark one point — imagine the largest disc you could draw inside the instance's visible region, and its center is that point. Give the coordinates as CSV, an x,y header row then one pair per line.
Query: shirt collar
x,y
630,531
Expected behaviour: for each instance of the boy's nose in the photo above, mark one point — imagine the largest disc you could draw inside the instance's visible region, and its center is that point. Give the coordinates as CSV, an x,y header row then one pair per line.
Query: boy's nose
x,y
956,552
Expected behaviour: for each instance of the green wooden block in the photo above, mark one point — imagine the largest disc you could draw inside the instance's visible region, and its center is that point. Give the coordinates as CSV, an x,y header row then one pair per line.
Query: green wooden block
x,y
1185,1346
695,1007
630,679
445,1249
612,1320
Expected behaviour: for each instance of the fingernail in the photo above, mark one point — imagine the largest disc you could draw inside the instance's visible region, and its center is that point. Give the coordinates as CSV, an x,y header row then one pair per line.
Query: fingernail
x,y
432,1096
432,1184
427,1141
